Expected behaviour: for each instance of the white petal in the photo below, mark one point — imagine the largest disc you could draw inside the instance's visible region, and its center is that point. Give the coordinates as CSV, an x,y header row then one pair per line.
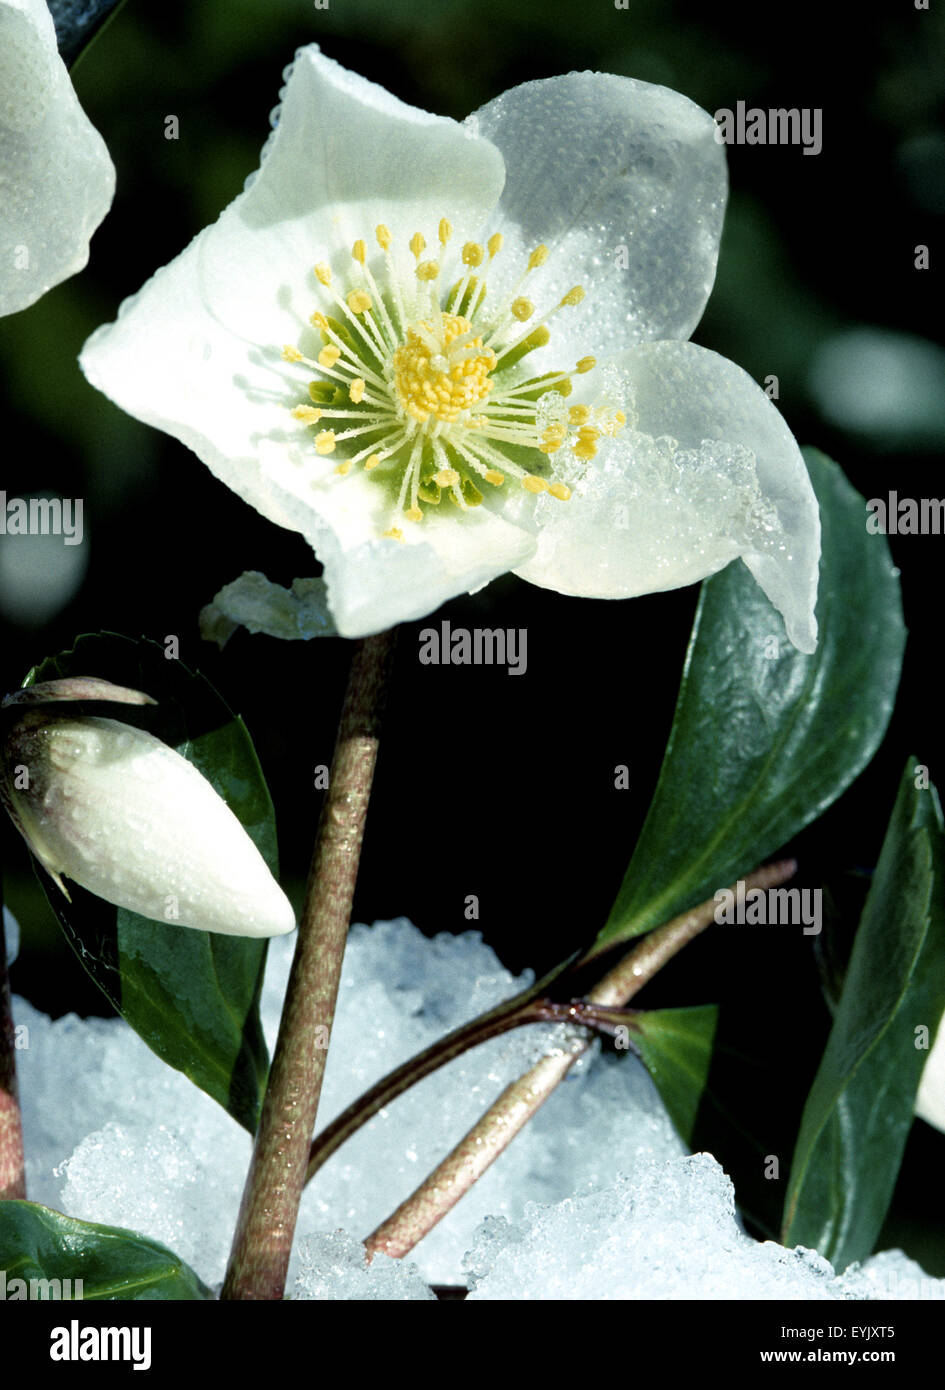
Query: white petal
x,y
125,816
56,179
706,470
197,351
930,1101
626,184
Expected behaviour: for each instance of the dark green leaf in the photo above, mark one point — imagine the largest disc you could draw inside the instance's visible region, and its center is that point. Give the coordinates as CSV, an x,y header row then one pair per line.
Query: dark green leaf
x,y
37,1243
676,1047
78,22
860,1107
765,738
193,996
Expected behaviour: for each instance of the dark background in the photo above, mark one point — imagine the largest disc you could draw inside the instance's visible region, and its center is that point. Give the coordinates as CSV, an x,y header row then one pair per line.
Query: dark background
x,y
514,801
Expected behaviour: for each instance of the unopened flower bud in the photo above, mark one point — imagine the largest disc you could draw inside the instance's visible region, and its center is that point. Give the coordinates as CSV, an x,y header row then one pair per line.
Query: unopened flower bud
x,y
930,1101
125,816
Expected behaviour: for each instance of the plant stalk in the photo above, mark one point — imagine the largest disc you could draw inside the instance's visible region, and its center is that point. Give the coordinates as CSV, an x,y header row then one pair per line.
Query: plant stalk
x,y
12,1161
483,1144
262,1244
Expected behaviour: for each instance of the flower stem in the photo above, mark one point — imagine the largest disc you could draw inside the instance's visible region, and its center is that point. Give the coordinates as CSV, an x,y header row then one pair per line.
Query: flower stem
x,y
259,1259
483,1144
12,1163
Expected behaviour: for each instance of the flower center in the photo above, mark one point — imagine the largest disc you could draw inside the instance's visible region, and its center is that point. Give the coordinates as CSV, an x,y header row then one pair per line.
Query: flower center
x,y
428,390
442,370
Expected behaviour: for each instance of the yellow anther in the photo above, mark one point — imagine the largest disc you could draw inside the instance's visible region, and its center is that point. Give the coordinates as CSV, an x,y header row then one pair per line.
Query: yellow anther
x,y
588,434
522,309
344,468
318,320
620,419
291,354
445,230
585,364
395,533
493,476
308,414
359,301
413,514
538,257
560,491
371,461
428,270
356,390
585,450
579,414
573,296
325,442
417,245
564,387
323,273
495,244
446,477
383,236
532,483
329,355
552,439
472,253
359,251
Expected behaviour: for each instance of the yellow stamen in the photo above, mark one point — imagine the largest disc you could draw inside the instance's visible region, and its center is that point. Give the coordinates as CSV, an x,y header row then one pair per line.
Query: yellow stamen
x,y
446,477
329,355
344,468
560,491
307,413
371,461
573,296
445,230
585,364
359,301
325,442
472,253
359,251
493,476
323,272
417,245
413,514
427,270
356,390
522,309
532,483
291,354
395,533
538,257
383,237
579,414
495,244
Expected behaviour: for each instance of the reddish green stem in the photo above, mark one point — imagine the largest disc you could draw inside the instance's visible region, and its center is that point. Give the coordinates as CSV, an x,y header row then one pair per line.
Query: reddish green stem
x,y
12,1163
259,1259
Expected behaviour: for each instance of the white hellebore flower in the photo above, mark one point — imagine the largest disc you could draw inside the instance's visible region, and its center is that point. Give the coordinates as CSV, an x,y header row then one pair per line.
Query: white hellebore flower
x,y
445,351
56,179
125,816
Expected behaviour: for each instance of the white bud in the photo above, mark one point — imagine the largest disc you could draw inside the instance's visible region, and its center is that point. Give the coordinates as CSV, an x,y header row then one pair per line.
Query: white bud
x,y
125,816
930,1101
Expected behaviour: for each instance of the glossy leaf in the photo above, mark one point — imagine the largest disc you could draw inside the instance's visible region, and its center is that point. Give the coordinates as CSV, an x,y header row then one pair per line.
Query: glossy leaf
x,y
39,1244
676,1048
765,738
193,996
860,1108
